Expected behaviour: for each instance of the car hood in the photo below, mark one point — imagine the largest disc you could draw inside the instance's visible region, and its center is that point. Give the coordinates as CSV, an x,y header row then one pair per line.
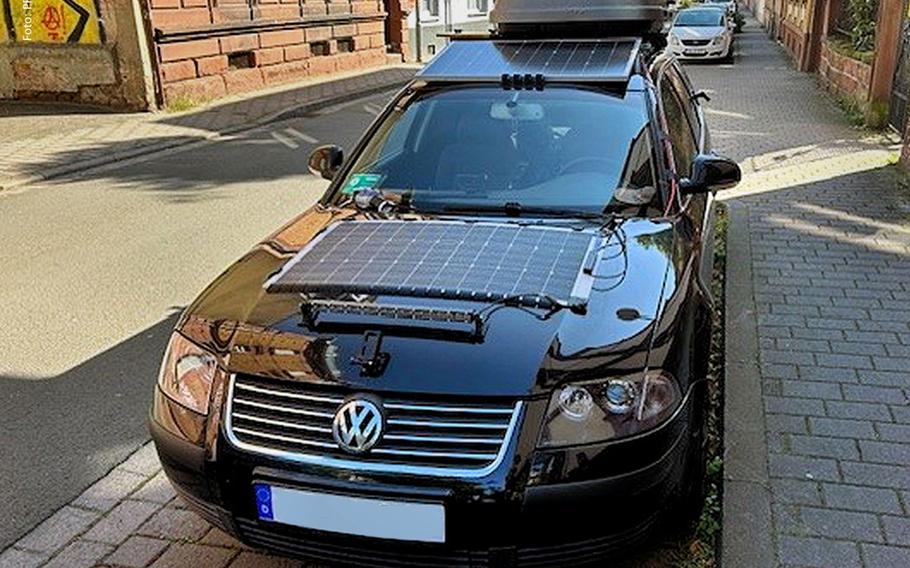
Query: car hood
x,y
520,354
684,32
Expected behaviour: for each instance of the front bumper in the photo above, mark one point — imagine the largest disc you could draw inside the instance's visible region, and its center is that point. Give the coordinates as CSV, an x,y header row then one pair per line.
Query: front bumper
x,y
550,508
701,53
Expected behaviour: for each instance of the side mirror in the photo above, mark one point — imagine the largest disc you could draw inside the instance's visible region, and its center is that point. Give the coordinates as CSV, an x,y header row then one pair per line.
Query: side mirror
x,y
711,173
325,161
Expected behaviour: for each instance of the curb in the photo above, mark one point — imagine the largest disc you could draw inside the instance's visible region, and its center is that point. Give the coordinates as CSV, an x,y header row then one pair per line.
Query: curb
x,y
398,78
747,539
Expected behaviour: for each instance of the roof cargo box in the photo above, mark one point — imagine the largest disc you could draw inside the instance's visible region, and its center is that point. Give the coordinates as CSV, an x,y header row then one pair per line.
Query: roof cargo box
x,y
578,18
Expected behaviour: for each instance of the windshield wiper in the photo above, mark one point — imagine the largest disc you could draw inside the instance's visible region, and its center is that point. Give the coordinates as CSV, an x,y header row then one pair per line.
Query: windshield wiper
x,y
515,209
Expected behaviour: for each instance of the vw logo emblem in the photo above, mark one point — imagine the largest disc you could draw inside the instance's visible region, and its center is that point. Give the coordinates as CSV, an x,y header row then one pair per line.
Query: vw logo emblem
x,y
357,426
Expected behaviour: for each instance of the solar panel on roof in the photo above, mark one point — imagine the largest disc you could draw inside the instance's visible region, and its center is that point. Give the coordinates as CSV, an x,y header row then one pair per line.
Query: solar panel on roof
x,y
588,60
452,260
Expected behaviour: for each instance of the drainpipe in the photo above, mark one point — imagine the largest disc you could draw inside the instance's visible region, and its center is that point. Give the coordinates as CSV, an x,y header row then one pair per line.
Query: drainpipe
x,y
418,33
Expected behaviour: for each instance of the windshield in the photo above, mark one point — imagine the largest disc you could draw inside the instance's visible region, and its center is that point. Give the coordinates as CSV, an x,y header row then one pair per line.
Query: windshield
x,y
561,148
700,18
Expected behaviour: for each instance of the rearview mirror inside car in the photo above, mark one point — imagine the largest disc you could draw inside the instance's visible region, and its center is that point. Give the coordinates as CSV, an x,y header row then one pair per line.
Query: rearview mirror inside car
x,y
325,161
711,172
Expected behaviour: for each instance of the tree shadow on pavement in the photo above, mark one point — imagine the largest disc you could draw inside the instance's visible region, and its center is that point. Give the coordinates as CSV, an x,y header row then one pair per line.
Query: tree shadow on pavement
x,y
269,153
60,434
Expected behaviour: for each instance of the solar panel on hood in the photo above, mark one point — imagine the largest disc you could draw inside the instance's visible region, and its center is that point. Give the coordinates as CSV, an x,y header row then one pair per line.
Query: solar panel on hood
x,y
571,60
536,266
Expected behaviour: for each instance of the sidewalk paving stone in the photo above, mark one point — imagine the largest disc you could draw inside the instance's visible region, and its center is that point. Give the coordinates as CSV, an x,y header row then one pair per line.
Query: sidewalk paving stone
x,y
121,522
80,554
181,555
825,228
171,522
137,552
109,490
59,529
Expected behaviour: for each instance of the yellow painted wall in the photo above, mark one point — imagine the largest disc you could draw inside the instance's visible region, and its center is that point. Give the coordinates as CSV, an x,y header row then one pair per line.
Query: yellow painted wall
x,y
55,21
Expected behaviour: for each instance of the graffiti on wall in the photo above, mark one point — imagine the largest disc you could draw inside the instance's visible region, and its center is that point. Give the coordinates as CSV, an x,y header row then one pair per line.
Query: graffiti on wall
x,y
51,21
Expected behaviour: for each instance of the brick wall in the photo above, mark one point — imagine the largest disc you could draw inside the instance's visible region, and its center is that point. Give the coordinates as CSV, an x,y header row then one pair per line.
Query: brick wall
x,y
844,76
212,48
112,70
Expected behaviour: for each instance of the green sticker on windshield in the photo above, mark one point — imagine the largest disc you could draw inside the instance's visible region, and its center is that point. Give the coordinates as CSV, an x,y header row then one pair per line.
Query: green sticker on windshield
x,y
362,181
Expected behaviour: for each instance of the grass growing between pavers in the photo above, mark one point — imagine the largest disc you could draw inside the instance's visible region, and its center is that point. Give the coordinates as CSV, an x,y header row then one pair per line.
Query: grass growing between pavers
x,y
698,545
182,105
701,549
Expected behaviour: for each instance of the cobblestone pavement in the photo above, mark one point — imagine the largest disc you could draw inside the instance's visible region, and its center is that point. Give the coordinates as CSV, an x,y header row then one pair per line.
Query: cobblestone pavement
x,y
131,518
827,222
43,142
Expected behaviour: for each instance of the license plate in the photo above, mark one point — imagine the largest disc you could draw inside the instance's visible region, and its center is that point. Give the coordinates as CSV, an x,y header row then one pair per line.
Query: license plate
x,y
695,52
377,518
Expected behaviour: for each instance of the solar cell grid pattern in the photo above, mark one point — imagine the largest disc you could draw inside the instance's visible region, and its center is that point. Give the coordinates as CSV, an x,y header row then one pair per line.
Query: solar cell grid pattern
x,y
481,261
591,59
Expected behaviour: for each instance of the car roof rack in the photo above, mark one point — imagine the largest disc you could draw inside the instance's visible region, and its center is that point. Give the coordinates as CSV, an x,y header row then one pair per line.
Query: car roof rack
x,y
530,63
534,42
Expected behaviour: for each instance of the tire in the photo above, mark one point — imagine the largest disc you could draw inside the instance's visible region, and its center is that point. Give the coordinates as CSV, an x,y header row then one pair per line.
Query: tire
x,y
728,58
691,497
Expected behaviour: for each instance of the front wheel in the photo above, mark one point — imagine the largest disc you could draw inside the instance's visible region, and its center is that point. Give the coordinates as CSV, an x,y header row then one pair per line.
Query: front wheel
x,y
691,497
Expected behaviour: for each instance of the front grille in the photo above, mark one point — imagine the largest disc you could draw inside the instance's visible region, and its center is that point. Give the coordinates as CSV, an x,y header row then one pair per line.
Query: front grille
x,y
463,438
696,42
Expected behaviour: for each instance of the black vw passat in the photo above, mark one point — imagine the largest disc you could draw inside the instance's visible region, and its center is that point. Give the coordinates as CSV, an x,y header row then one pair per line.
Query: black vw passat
x,y
487,344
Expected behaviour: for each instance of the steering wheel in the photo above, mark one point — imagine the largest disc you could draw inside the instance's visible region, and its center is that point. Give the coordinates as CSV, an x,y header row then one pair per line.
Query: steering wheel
x,y
602,165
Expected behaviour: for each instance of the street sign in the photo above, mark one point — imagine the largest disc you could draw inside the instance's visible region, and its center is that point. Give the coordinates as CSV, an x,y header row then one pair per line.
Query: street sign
x,y
54,21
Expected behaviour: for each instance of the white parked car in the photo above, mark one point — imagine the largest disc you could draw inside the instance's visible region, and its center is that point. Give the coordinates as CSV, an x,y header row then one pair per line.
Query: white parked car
x,y
701,33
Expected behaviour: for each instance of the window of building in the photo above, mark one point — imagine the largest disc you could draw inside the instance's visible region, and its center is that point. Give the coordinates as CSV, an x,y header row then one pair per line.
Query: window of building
x,y
478,6
429,9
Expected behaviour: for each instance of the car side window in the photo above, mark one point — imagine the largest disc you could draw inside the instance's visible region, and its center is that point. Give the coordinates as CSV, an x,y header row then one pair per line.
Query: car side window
x,y
684,90
681,135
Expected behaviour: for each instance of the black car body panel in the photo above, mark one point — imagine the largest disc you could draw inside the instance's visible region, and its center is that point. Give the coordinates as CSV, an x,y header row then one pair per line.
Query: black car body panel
x,y
537,503
519,355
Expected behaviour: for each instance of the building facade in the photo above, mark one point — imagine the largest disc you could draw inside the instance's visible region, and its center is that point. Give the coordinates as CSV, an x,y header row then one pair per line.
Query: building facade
x,y
139,54
817,36
207,49
431,18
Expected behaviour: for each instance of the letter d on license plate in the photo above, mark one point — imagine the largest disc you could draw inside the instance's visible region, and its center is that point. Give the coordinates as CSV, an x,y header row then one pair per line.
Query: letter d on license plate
x,y
377,518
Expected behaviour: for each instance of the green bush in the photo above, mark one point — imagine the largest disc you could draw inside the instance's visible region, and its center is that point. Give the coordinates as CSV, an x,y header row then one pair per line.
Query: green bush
x,y
860,23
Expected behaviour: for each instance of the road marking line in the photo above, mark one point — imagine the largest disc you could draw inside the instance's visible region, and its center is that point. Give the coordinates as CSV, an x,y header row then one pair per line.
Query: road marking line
x,y
372,109
285,140
298,134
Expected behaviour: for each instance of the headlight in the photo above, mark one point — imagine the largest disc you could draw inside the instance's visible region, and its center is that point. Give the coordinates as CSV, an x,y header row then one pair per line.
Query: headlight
x,y
597,411
719,40
674,40
187,373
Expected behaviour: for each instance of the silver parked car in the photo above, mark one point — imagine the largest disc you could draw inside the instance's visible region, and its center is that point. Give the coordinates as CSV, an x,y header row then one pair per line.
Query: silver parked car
x,y
701,33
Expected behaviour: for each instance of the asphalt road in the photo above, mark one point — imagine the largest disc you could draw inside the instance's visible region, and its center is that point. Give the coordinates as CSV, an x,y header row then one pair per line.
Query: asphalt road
x,y
94,273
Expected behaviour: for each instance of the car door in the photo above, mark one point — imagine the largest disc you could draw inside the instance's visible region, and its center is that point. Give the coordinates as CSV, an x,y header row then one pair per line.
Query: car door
x,y
688,138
